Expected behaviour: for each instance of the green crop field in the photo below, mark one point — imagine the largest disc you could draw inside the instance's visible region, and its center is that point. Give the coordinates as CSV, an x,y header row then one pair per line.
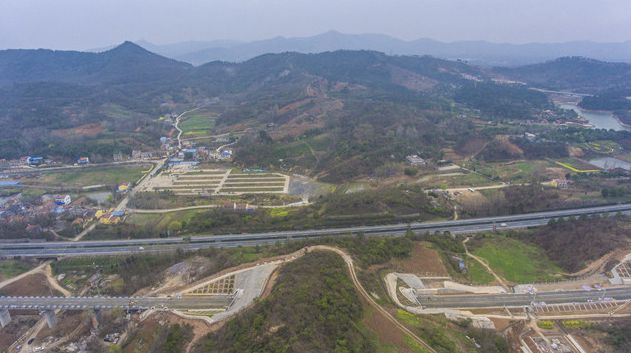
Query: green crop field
x,y
196,125
516,261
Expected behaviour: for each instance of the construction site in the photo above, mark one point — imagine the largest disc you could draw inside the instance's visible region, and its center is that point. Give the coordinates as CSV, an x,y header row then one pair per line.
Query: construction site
x,y
538,317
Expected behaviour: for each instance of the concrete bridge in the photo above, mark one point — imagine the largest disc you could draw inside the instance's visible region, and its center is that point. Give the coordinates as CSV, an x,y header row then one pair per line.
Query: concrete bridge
x,y
48,305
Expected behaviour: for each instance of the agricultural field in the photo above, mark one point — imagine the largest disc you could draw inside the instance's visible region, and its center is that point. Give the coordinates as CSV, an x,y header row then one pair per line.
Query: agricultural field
x,y
602,147
197,124
514,260
518,171
446,181
577,166
91,176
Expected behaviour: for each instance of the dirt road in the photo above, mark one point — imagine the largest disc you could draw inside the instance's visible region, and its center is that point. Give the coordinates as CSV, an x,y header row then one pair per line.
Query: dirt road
x,y
362,291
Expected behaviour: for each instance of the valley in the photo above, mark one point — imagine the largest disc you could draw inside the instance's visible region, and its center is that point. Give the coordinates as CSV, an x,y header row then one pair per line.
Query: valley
x,y
343,201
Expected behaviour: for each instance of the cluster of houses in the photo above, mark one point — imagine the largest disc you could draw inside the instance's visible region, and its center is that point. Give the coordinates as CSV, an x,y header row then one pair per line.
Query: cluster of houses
x,y
204,153
58,209
110,216
35,161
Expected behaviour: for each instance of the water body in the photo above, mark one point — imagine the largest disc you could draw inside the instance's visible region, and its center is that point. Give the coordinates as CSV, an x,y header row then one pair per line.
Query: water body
x,y
600,119
99,196
609,163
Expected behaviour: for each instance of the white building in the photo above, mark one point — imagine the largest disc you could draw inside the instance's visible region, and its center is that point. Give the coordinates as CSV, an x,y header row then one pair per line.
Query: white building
x,y
416,161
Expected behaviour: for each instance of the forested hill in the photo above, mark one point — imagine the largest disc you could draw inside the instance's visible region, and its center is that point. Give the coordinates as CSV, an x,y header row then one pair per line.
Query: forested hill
x,y
572,73
124,64
121,92
352,109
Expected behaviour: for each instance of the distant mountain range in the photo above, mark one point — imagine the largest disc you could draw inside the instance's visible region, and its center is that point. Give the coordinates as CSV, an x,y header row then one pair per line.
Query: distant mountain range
x,y
124,63
475,52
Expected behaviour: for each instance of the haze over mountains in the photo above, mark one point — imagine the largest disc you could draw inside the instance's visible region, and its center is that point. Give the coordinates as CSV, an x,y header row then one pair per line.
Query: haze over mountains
x,y
476,52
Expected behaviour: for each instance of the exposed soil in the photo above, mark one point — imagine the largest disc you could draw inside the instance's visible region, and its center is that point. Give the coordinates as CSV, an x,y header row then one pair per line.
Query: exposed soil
x,y
70,325
422,260
388,334
88,130
31,285
146,329
14,330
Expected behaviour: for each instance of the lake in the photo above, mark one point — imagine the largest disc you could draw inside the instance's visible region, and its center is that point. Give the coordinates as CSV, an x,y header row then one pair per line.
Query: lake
x,y
600,119
609,163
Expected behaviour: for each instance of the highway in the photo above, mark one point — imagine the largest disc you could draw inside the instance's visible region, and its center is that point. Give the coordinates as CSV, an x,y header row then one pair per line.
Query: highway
x,y
131,246
134,303
519,300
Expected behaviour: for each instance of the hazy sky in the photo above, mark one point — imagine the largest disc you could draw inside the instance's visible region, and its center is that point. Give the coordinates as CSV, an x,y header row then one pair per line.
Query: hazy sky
x,y
86,24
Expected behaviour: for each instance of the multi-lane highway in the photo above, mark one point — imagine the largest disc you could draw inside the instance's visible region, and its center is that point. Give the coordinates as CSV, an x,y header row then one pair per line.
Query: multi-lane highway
x,y
519,300
114,247
137,303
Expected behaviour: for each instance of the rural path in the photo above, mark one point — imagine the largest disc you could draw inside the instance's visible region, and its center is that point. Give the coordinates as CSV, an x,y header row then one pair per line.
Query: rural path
x,y
177,126
478,188
218,150
46,270
348,260
33,271
499,279
215,136
362,291
598,264
201,207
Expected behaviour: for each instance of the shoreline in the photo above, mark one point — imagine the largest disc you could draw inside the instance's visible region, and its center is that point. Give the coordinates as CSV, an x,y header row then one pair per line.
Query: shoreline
x,y
575,107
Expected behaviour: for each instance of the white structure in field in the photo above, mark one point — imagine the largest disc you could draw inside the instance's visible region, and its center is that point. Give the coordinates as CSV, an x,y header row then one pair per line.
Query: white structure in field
x,y
621,274
416,161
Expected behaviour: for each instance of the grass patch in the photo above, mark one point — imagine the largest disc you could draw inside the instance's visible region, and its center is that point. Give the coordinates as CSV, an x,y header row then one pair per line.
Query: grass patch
x,y
477,274
95,176
571,167
515,172
516,261
415,346
577,324
197,124
12,268
545,324
464,180
279,212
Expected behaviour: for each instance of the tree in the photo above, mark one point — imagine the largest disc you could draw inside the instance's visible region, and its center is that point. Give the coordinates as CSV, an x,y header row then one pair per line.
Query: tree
x,y
175,226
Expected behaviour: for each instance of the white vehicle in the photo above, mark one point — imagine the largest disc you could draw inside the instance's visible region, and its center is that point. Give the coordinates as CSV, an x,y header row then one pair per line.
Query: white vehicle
x,y
503,225
141,248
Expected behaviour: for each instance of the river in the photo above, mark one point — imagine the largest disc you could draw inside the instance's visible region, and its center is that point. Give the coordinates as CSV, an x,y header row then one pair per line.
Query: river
x,y
610,163
600,119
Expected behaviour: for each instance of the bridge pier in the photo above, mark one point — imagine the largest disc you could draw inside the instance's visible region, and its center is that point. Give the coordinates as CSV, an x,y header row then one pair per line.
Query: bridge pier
x,y
51,319
5,317
98,316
